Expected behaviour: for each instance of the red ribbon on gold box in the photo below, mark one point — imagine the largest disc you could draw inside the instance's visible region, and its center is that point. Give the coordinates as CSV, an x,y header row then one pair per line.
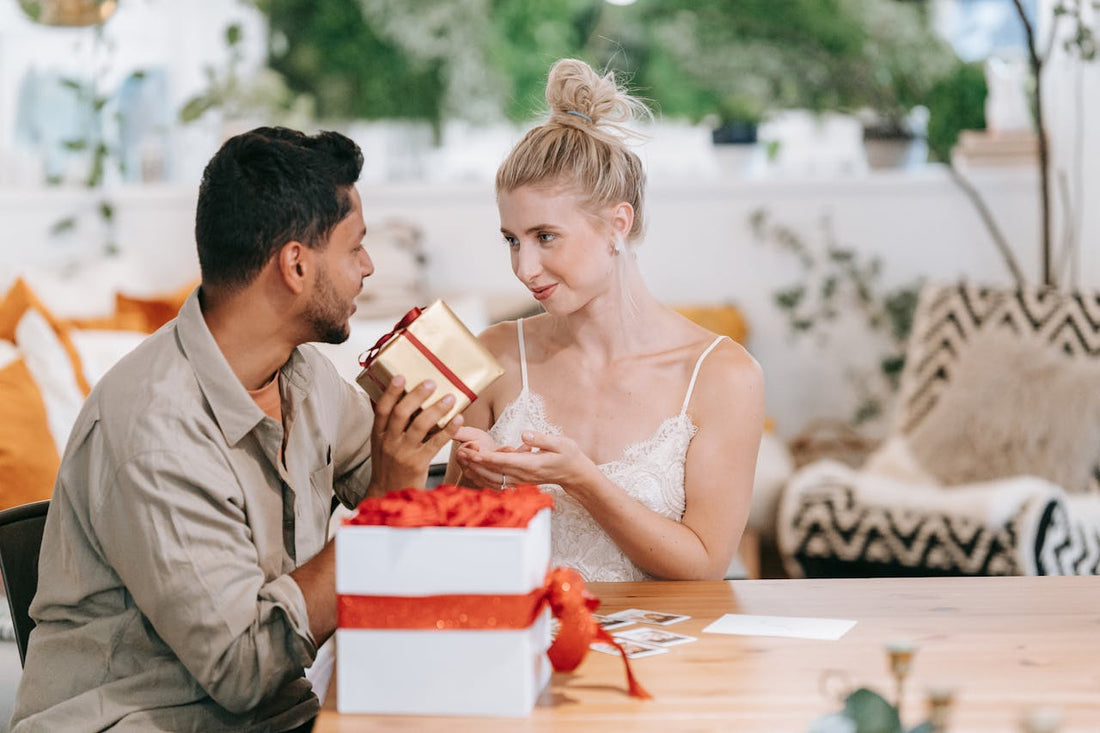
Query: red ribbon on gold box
x,y
430,343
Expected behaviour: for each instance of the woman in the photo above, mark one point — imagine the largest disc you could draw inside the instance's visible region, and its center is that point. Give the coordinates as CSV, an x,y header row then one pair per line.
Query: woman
x,y
643,425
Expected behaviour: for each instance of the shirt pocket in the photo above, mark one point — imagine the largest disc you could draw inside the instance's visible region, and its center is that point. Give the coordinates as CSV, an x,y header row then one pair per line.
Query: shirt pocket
x,y
320,479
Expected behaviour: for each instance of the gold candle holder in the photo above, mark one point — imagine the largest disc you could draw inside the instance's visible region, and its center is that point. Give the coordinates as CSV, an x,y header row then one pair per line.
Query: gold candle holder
x,y
940,700
900,654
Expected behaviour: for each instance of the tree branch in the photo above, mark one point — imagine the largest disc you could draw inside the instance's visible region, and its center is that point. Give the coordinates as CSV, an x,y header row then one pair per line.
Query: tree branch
x,y
990,223
1044,150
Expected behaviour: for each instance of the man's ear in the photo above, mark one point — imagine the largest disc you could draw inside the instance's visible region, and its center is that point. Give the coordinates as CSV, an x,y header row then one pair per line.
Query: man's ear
x,y
294,265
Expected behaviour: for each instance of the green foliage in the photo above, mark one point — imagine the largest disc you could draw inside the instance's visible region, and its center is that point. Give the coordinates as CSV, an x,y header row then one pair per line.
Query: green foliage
x,y
870,712
263,94
956,102
325,48
734,60
528,37
758,55
102,149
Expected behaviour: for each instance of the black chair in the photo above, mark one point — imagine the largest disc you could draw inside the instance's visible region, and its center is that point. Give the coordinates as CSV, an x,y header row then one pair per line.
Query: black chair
x,y
20,539
436,471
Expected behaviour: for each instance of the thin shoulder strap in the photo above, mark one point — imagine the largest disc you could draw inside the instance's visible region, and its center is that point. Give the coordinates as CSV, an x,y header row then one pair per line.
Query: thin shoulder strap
x,y
694,374
522,353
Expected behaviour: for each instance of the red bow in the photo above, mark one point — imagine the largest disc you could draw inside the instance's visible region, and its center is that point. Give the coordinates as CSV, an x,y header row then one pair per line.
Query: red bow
x,y
368,357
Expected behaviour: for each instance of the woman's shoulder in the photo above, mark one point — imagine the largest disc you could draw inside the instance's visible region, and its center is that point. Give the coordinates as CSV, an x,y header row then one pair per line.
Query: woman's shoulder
x,y
499,337
502,338
729,372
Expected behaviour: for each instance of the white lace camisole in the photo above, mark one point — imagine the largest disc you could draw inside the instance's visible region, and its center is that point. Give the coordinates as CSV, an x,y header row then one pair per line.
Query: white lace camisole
x,y
651,472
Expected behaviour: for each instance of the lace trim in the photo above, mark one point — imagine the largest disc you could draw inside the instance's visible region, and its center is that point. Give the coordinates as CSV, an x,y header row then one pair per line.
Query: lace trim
x,y
650,471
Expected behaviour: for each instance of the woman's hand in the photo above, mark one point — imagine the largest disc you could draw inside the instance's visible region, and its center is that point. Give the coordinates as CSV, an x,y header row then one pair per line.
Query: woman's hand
x,y
540,459
472,441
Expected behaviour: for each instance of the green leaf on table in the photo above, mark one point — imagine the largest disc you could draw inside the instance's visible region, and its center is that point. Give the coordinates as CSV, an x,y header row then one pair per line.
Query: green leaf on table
x,y
872,713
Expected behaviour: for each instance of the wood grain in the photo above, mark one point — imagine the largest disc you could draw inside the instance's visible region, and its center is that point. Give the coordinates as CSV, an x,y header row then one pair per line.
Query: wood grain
x,y
1006,645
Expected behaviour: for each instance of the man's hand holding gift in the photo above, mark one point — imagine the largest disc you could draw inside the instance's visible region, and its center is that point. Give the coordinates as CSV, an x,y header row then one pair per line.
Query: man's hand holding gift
x,y
404,437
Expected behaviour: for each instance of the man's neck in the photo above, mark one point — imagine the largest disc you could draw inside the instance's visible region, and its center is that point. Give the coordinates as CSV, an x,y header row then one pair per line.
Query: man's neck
x,y
252,339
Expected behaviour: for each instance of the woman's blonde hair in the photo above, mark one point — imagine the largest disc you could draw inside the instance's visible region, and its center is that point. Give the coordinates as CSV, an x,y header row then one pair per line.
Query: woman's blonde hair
x,y
584,143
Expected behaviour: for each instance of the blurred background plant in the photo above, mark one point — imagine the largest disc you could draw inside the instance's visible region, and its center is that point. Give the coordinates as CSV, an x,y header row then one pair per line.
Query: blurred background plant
x,y
262,94
840,287
726,61
351,67
93,151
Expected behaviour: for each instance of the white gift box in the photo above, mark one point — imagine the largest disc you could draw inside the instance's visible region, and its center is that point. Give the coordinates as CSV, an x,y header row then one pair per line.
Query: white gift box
x,y
442,672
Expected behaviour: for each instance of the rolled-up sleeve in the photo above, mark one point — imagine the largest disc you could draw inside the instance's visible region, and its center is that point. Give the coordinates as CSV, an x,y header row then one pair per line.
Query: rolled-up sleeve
x,y
175,532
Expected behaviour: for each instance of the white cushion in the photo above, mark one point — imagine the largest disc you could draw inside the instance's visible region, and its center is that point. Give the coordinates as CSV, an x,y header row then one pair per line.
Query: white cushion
x,y
99,350
52,370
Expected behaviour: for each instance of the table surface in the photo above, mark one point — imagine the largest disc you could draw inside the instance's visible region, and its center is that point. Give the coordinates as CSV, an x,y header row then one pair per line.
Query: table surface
x,y
1005,645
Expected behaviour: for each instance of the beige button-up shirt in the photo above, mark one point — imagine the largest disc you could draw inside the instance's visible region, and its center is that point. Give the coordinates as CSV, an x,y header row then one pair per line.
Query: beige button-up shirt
x,y
164,601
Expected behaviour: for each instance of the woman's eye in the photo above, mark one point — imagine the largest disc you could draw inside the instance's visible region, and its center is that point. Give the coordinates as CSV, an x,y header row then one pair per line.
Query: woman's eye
x,y
545,237
511,241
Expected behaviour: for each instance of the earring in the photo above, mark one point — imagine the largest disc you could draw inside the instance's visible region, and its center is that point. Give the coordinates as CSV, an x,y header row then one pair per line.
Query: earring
x,y
617,245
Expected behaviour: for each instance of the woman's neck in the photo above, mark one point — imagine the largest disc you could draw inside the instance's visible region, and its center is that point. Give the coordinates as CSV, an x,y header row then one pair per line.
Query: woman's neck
x,y
617,324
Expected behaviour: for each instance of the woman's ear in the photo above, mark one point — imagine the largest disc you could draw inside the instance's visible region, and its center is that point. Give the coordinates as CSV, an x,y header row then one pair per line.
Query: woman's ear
x,y
622,220
294,264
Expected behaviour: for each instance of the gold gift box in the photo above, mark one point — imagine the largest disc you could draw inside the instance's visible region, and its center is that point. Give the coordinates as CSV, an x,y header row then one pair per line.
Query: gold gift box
x,y
438,331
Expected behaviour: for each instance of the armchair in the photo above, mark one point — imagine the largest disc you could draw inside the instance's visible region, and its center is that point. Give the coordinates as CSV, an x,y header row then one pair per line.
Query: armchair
x,y
993,464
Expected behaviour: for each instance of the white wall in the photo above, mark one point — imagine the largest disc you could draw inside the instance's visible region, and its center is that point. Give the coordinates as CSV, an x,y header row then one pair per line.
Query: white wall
x,y
1072,106
699,250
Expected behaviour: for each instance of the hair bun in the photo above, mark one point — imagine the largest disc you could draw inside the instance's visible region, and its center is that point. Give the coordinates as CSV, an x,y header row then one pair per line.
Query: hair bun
x,y
579,97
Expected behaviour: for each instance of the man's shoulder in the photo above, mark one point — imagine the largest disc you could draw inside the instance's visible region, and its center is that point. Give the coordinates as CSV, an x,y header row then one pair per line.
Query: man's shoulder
x,y
147,395
157,367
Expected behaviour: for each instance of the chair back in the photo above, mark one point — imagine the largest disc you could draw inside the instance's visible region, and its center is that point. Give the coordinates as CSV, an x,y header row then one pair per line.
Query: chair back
x,y
20,540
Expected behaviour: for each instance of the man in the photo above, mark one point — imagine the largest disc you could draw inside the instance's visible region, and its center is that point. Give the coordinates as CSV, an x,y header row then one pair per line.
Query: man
x,y
185,579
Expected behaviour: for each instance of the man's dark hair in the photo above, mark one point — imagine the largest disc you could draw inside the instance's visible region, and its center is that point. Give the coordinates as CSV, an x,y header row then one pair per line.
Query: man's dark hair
x,y
267,187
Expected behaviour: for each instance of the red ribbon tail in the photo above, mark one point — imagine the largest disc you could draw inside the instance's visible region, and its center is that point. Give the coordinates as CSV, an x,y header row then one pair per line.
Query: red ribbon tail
x,y
573,607
636,689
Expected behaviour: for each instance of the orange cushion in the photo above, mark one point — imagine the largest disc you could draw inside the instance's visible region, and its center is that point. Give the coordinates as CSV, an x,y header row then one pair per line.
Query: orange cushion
x,y
138,314
154,312
724,320
28,457
18,301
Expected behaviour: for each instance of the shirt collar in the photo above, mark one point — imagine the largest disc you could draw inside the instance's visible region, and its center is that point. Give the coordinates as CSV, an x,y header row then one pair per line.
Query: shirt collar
x,y
235,412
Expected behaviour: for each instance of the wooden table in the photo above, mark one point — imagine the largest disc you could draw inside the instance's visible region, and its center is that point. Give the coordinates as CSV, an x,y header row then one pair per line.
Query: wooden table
x,y
1006,645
